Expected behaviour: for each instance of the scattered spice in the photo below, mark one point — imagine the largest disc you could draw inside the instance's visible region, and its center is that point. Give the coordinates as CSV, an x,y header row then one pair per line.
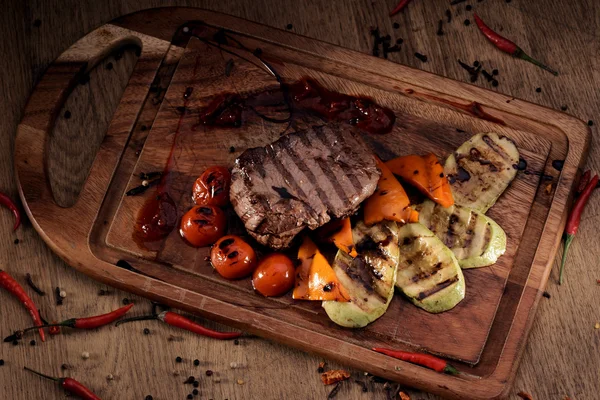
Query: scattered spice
x,y
469,7
232,149
32,342
506,45
321,368
399,7
289,26
489,77
196,362
564,108
421,57
62,294
70,385
574,219
240,382
59,300
85,355
597,326
16,241
448,16
142,188
37,23
424,360
467,22
404,396
79,323
548,188
538,90
110,377
146,331
196,384
190,396
8,203
525,396
149,398
334,375
362,384
396,25
208,372
178,359
334,391
590,123
33,286
189,380
546,295
440,31
10,284
67,114
179,321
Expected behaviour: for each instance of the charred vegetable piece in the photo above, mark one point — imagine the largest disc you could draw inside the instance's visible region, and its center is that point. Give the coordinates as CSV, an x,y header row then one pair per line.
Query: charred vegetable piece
x,y
476,240
368,278
339,232
426,174
389,202
428,272
481,169
315,279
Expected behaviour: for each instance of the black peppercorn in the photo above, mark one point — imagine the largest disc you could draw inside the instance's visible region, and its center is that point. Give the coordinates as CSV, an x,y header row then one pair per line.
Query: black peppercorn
x,y
590,122
67,114
196,384
396,25
16,241
146,331
564,108
469,7
1,362
178,359
196,362
236,342
15,342
32,342
195,392
125,301
37,23
209,372
476,63
190,396
495,72
467,22
539,90
148,397
494,83
189,380
289,26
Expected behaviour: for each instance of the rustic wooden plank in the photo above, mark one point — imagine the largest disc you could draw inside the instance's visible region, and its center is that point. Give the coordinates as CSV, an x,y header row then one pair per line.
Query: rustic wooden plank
x,y
557,334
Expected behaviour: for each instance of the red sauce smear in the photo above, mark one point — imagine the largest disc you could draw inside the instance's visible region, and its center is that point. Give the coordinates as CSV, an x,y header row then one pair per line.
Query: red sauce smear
x,y
226,109
473,108
362,112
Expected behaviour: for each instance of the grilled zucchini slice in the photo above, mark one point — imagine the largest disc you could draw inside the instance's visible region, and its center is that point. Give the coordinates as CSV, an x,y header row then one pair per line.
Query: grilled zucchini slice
x,y
481,169
476,240
368,278
428,272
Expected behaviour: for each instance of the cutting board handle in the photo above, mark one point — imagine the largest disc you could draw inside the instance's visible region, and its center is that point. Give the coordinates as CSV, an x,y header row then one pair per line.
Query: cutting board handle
x,y
46,102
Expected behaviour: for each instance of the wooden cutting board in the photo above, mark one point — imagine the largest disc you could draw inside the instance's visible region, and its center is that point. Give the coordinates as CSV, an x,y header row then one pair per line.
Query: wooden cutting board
x,y
92,229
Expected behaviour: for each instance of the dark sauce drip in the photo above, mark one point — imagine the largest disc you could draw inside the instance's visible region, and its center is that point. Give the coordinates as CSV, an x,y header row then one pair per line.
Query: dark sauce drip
x,y
558,164
156,219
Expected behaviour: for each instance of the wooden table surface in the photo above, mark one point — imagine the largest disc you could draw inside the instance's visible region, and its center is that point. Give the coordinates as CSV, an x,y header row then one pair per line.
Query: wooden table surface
x,y
561,358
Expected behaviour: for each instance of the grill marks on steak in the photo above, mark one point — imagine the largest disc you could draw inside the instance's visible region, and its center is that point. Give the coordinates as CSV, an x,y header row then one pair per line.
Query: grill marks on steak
x,y
303,179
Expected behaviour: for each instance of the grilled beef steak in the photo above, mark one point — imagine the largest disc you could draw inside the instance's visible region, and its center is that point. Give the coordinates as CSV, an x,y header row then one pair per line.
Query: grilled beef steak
x,y
304,179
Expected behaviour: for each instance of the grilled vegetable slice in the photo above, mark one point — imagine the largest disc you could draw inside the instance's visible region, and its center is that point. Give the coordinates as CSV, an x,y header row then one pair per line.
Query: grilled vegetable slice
x,y
481,169
389,201
338,232
428,272
315,279
368,278
426,174
476,240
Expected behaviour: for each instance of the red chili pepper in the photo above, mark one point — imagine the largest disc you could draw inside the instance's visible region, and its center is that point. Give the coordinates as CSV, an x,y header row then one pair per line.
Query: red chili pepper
x,y
506,45
583,181
573,221
8,203
79,323
179,321
70,385
424,360
399,7
8,282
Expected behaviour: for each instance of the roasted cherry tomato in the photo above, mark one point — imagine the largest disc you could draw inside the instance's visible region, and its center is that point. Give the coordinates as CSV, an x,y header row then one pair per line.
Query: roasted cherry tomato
x,y
203,225
212,187
232,257
274,275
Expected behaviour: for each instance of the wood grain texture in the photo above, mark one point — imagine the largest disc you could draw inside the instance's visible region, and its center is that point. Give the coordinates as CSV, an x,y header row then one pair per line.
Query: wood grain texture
x,y
419,19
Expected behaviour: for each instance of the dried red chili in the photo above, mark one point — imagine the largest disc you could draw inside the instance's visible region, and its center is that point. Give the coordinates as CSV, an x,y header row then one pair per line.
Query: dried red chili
x,y
8,203
179,321
573,221
70,385
424,360
8,282
96,321
399,7
507,46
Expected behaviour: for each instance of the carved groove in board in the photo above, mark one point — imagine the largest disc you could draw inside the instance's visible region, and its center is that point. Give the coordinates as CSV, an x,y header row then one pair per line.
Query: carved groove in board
x,y
82,122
